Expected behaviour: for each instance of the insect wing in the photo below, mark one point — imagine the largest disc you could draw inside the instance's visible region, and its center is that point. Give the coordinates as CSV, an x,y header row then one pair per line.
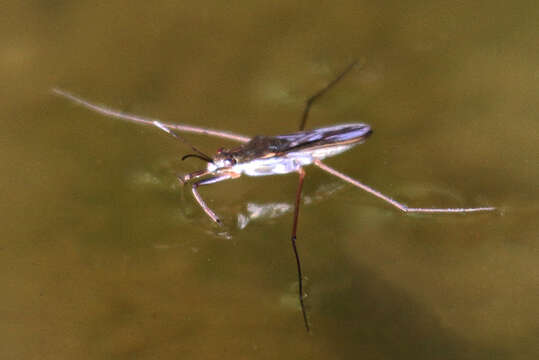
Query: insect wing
x,y
334,135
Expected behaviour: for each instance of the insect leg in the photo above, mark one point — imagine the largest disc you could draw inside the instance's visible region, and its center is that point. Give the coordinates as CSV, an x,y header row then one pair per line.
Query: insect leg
x,y
395,203
183,179
321,92
293,239
201,202
139,119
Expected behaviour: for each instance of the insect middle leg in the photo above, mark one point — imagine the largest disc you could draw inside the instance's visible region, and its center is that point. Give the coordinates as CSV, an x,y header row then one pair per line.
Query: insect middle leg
x,y
106,111
321,92
293,240
395,203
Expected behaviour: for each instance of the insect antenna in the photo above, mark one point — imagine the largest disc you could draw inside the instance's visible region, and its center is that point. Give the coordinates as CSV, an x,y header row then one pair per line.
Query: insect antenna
x,y
199,154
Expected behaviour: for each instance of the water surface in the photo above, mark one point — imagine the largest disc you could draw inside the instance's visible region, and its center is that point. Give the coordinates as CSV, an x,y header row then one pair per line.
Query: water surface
x,y
104,255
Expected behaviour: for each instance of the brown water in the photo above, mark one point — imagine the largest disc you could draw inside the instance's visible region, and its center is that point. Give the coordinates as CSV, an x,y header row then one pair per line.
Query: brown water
x,y
104,256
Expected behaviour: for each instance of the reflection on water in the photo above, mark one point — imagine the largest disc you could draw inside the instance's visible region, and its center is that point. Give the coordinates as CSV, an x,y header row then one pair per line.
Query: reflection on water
x,y
265,212
104,255
161,180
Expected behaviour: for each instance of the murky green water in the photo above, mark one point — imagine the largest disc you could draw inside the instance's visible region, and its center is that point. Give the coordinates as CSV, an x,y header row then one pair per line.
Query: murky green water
x,y
104,256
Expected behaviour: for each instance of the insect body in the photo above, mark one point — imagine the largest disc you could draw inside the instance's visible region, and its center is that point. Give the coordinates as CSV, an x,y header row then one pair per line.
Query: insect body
x,y
271,155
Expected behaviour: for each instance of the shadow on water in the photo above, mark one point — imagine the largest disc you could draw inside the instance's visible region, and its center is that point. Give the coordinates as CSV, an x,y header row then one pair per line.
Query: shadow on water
x,y
375,312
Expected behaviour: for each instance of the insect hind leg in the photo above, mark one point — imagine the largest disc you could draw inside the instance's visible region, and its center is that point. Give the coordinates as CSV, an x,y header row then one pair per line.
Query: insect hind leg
x,y
321,92
395,203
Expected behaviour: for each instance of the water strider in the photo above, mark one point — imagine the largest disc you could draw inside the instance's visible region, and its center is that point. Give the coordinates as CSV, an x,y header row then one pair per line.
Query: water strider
x,y
272,155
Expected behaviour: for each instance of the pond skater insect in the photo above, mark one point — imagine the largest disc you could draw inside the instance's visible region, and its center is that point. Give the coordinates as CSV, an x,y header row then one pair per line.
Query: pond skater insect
x,y
272,155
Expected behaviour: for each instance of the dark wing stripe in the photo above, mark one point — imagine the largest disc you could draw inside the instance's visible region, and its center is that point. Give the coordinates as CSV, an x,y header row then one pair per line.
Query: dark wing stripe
x,y
323,136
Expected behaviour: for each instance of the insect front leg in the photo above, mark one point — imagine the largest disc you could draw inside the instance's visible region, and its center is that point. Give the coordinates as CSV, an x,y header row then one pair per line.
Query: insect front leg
x,y
183,179
201,202
395,203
